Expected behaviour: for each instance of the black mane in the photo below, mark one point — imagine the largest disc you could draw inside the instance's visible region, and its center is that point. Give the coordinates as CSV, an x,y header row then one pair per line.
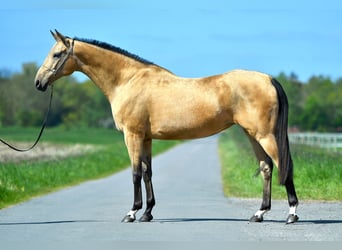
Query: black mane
x,y
114,49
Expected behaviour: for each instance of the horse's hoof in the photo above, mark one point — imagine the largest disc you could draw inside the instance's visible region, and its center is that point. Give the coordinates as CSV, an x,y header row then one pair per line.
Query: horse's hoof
x,y
292,218
255,218
146,218
128,218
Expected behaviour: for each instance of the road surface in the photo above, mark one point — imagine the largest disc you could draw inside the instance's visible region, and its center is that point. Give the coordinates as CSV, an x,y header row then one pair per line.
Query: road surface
x,y
190,207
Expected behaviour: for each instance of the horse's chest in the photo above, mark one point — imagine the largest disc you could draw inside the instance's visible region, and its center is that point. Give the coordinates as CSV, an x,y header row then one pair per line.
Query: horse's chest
x,y
129,116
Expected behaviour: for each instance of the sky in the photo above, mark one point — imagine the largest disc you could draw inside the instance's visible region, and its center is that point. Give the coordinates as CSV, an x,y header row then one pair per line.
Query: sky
x,y
193,38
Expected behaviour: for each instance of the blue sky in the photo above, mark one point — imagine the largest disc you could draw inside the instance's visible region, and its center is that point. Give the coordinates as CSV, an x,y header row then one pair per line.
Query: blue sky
x,y
190,38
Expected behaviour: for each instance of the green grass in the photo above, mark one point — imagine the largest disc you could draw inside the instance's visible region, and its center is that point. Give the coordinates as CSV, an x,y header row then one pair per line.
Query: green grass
x,y
24,180
317,172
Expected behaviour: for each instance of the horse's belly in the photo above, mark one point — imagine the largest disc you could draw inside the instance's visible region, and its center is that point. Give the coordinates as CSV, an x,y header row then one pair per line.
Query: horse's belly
x,y
190,127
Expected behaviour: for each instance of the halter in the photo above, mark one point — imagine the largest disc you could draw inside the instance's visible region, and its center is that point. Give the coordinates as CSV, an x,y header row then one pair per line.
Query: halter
x,y
61,63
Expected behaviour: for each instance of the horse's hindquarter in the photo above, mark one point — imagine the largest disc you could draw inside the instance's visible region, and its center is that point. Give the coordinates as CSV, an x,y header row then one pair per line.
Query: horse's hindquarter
x,y
255,101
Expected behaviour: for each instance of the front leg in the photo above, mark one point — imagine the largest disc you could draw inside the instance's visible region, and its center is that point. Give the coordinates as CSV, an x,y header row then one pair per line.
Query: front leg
x,y
147,176
134,145
137,204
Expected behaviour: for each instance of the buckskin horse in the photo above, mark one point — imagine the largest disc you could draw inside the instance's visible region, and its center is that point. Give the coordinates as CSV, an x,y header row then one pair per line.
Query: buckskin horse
x,y
149,102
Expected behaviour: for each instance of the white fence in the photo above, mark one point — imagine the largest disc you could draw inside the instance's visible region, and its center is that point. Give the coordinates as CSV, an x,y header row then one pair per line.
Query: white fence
x,y
322,140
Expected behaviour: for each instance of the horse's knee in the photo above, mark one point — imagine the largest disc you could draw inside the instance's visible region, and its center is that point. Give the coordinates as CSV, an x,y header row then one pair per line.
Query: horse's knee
x,y
146,172
136,178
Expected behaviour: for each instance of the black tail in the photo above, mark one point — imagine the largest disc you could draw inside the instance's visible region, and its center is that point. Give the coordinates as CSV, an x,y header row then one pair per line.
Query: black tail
x,y
285,161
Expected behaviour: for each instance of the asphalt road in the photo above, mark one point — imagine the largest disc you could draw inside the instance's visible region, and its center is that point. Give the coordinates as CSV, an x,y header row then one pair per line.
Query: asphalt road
x,y
190,207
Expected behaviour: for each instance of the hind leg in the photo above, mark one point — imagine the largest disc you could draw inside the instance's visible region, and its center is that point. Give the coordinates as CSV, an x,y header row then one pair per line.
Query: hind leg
x,y
265,168
269,145
293,202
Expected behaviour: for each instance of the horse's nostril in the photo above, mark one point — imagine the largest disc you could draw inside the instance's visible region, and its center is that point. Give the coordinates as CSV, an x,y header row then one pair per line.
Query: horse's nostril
x,y
39,86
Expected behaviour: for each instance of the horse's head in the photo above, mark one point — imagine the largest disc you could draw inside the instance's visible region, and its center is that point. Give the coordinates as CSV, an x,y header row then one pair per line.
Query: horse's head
x,y
58,63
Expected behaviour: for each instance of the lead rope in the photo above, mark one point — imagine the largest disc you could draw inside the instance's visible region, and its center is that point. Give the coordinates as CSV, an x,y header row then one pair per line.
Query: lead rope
x,y
40,133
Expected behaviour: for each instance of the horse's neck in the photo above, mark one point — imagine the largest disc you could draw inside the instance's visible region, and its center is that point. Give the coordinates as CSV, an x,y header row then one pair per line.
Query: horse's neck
x,y
105,68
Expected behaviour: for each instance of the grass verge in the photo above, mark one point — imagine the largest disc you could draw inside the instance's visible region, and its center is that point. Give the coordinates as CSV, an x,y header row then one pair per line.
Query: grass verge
x,y
317,172
26,179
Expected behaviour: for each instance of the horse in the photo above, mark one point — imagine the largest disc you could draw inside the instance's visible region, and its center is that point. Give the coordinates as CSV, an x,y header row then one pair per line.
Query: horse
x,y
150,102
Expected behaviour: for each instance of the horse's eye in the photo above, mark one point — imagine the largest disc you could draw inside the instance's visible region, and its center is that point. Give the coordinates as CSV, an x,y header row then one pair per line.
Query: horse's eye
x,y
57,54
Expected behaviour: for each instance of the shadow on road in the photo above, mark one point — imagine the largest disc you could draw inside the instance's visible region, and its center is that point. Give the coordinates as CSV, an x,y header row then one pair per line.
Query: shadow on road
x,y
48,222
171,220
321,221
197,219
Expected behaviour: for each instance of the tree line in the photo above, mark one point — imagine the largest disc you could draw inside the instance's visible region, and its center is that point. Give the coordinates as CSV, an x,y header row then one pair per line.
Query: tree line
x,y
315,105
73,104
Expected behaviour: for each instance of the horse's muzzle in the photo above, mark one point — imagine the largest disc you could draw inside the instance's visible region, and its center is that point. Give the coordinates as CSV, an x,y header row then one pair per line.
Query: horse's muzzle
x,y
40,86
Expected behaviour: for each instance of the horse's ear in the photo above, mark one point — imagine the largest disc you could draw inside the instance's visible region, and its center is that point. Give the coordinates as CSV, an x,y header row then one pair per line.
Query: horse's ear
x,y
59,37
54,35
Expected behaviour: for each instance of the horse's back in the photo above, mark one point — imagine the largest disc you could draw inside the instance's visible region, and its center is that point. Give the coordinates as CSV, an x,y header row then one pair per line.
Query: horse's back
x,y
245,79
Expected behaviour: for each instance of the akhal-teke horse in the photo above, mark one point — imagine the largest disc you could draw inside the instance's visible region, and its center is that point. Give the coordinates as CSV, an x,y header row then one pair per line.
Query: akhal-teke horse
x,y
150,102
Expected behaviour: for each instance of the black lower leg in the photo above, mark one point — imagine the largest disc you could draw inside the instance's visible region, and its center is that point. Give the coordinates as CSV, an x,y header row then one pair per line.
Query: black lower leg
x,y
137,203
291,193
147,216
266,168
293,202
150,200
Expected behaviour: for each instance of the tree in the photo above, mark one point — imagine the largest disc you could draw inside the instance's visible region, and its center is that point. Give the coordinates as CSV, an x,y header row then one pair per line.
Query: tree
x,y
315,105
319,108
74,104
